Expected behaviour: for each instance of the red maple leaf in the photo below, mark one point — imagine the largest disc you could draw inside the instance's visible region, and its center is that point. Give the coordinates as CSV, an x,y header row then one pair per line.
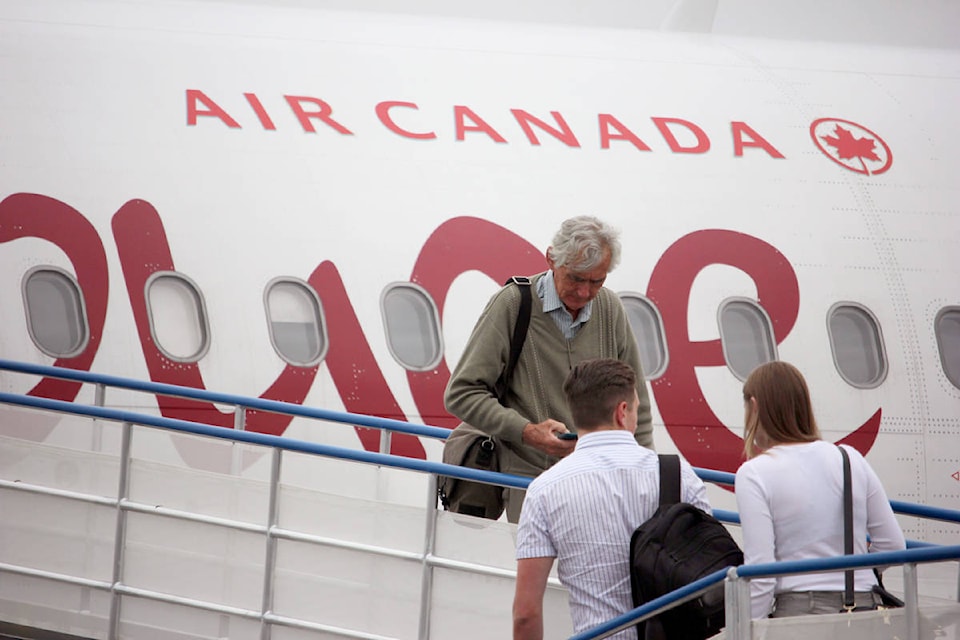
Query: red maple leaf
x,y
848,146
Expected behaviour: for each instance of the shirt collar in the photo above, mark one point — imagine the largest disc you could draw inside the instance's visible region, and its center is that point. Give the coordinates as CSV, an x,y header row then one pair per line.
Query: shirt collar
x,y
605,437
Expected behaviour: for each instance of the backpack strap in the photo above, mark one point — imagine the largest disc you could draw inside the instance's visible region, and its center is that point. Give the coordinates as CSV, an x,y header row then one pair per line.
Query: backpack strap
x,y
669,478
519,332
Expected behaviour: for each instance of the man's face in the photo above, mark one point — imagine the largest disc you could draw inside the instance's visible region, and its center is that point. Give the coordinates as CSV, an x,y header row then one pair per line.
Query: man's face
x,y
577,288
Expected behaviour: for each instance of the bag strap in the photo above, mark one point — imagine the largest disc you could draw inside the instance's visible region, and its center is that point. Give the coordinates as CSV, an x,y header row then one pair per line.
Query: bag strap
x,y
848,597
669,478
519,332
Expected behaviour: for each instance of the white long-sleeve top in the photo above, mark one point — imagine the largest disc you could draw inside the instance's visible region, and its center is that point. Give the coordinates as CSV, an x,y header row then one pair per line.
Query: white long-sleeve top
x,y
790,500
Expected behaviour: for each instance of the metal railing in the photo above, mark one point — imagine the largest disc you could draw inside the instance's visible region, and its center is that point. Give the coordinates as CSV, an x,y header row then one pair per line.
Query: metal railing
x,y
129,419
386,425
116,587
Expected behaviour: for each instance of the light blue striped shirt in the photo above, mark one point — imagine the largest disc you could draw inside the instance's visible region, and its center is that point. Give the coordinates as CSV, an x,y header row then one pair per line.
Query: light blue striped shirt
x,y
553,307
583,511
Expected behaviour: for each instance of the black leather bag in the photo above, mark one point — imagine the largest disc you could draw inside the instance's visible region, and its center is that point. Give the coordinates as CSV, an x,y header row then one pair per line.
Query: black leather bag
x,y
469,446
887,599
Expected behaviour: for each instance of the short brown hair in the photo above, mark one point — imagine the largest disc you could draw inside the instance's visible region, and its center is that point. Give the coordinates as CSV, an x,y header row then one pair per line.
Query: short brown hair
x,y
784,412
594,388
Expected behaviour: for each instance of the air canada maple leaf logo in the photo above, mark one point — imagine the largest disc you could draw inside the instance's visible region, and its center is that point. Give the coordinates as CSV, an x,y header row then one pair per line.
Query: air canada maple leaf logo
x,y
851,145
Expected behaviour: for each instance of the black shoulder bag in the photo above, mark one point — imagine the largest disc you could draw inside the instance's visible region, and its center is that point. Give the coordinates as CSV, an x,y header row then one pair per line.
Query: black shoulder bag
x,y
887,599
469,446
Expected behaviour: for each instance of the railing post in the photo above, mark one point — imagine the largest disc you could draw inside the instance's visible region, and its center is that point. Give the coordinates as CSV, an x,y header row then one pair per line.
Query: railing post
x,y
236,454
385,439
120,535
429,544
99,400
736,592
270,560
911,601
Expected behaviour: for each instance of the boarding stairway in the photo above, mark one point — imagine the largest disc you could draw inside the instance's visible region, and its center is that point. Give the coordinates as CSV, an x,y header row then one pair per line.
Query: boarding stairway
x,y
107,533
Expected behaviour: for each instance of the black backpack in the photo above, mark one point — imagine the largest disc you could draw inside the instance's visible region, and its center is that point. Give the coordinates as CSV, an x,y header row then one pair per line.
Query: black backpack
x,y
676,546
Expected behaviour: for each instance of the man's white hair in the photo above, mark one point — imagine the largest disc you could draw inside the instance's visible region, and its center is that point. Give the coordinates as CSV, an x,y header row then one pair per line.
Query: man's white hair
x,y
581,243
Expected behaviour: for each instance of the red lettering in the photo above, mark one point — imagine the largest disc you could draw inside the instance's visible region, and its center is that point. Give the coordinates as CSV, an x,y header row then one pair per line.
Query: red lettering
x,y
606,121
195,96
323,114
383,112
258,109
460,112
663,124
756,140
564,134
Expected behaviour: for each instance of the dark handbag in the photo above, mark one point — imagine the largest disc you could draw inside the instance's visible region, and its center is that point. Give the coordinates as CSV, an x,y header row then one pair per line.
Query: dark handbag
x,y
887,599
469,446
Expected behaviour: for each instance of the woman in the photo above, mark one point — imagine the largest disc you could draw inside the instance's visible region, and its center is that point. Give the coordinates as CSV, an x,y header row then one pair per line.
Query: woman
x,y
790,497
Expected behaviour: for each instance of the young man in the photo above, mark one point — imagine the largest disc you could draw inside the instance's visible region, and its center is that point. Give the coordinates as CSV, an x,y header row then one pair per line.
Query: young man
x,y
573,318
583,510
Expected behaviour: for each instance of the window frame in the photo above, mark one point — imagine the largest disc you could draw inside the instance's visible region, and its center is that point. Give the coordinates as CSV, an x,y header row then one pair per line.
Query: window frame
x,y
201,306
323,337
74,284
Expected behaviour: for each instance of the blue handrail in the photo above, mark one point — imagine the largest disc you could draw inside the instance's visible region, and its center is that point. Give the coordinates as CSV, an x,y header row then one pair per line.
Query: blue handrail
x,y
840,563
273,406
280,442
276,406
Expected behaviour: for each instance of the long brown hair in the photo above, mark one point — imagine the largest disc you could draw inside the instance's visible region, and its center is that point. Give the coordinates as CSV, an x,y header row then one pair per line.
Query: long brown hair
x,y
783,410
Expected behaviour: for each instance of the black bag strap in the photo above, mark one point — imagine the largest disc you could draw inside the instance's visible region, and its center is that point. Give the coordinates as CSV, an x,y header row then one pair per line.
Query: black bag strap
x,y
848,597
669,478
519,332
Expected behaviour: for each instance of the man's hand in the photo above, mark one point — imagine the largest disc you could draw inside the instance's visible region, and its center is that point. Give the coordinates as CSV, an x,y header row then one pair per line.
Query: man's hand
x,y
543,436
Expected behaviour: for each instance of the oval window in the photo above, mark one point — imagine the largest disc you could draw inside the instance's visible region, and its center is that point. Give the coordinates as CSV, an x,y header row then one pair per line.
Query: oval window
x,y
857,345
746,336
295,319
56,316
647,325
947,329
178,316
412,326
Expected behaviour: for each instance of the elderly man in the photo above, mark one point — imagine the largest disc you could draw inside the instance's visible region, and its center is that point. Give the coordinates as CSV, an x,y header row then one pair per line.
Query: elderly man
x,y
573,318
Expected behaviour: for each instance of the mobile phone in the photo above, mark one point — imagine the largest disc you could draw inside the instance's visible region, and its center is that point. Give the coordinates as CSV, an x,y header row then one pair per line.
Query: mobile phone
x,y
567,436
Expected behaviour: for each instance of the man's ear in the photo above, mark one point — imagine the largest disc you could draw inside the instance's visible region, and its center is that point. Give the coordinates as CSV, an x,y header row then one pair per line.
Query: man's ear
x,y
620,414
549,256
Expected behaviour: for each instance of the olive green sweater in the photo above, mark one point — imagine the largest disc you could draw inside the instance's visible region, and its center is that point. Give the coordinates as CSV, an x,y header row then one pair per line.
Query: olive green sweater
x,y
535,392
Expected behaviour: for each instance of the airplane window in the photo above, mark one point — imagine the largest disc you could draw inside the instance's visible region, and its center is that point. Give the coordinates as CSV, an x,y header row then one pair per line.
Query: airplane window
x,y
178,316
746,336
56,317
947,328
857,345
647,325
412,326
295,319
